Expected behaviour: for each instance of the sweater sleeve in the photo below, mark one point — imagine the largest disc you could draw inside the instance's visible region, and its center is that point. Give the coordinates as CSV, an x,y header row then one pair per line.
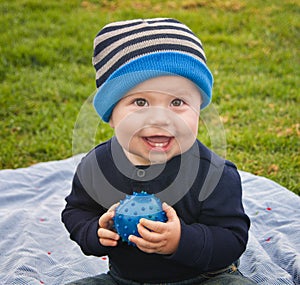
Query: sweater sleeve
x,y
220,235
80,216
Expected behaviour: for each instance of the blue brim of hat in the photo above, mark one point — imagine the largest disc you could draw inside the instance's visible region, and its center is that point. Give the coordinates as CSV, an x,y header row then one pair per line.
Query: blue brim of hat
x,y
153,65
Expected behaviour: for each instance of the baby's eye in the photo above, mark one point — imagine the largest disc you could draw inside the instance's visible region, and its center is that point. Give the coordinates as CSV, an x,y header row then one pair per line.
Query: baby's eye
x,y
177,103
141,102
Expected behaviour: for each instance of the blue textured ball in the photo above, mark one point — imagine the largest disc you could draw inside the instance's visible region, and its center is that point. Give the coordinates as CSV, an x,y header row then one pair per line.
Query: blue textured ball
x,y
132,209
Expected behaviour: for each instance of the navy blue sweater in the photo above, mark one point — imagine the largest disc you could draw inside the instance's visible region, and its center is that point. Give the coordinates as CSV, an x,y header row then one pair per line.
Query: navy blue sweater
x,y
204,189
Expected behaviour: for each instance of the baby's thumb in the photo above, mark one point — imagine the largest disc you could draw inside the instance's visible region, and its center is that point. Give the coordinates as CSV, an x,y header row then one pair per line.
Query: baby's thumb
x,y
170,211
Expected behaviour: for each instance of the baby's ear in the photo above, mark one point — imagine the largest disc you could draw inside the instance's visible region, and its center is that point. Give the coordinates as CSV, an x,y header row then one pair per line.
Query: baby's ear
x,y
111,123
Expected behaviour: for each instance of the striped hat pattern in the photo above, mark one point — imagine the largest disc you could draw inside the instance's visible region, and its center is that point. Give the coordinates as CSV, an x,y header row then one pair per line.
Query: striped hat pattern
x,y
127,53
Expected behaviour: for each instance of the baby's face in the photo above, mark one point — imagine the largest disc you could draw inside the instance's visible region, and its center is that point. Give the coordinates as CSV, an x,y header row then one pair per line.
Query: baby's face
x,y
157,120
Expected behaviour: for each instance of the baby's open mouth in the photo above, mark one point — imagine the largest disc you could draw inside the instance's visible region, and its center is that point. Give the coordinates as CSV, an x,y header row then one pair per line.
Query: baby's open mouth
x,y
161,142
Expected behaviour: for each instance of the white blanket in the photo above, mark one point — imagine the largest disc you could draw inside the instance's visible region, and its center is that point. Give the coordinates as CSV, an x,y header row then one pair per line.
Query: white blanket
x,y
35,247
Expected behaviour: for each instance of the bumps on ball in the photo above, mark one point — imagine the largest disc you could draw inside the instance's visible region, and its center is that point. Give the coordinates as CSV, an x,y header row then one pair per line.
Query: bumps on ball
x,y
132,209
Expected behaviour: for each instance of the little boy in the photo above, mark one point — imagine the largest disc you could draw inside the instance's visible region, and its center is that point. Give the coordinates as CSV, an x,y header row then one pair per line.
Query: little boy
x,y
152,81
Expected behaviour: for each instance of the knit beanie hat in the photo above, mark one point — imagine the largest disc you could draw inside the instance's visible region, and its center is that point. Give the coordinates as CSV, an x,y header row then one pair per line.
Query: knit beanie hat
x,y
127,53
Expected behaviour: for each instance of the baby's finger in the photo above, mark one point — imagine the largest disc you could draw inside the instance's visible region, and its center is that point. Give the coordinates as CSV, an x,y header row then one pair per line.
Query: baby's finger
x,y
147,235
107,234
170,212
113,207
154,226
108,242
144,245
105,219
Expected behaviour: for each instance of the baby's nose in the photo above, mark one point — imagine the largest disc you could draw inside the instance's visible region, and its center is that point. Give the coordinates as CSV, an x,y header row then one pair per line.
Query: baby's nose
x,y
159,116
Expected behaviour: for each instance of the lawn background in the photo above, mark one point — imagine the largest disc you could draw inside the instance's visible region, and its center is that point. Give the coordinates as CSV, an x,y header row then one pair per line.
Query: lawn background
x,y
252,47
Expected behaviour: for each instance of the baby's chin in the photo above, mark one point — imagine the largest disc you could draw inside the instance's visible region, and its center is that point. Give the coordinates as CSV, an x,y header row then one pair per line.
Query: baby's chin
x,y
150,158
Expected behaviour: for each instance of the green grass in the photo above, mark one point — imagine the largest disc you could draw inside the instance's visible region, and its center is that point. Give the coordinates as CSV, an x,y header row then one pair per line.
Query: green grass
x,y
252,47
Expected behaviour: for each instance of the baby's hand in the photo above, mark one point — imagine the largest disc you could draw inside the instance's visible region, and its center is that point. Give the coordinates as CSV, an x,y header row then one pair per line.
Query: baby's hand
x,y
107,236
159,237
